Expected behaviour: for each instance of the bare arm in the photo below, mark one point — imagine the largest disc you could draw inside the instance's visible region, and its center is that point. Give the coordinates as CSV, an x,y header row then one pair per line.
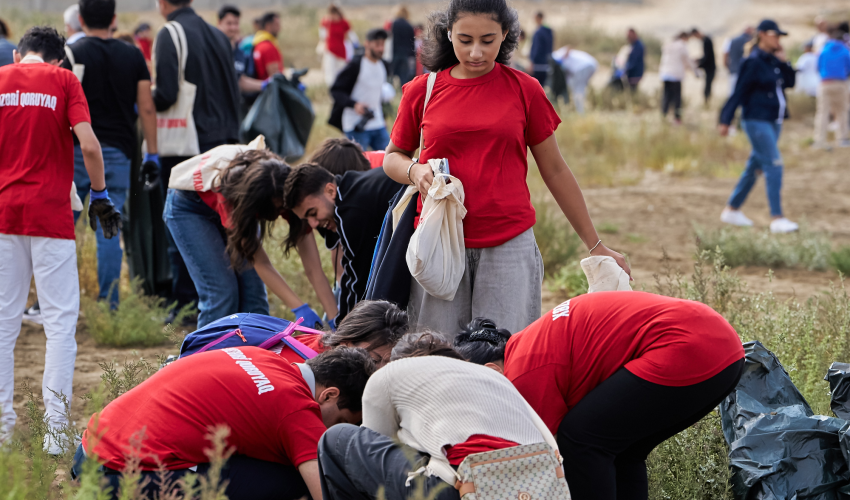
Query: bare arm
x,y
396,162
274,280
312,262
248,84
92,155
310,473
272,68
147,113
566,191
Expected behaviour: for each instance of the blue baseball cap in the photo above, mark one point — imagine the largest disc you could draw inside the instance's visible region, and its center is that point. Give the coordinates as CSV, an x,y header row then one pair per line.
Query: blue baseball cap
x,y
770,25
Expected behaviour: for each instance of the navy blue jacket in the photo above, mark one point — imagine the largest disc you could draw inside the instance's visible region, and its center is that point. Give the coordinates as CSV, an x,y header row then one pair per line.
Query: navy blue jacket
x,y
541,46
634,64
760,90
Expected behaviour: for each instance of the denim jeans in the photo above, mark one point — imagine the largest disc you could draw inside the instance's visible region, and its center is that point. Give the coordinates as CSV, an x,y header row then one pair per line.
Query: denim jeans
x,y
116,166
377,139
765,157
201,240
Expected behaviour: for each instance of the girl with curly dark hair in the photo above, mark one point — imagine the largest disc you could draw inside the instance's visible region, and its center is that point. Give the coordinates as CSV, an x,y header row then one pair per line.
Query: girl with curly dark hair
x,y
483,116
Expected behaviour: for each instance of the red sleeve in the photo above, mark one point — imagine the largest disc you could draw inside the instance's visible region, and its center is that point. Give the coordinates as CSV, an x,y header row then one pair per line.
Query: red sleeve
x,y
406,127
345,26
376,158
300,433
266,53
546,394
542,118
77,107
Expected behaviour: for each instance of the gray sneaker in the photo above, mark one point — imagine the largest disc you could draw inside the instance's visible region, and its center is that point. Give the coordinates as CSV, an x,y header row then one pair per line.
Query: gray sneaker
x,y
33,314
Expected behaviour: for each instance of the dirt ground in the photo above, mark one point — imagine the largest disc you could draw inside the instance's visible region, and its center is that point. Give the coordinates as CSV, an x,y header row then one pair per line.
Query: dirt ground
x,y
657,213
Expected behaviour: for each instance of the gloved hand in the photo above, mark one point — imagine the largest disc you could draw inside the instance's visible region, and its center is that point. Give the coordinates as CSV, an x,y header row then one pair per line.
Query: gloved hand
x,y
332,324
311,318
149,173
265,83
101,207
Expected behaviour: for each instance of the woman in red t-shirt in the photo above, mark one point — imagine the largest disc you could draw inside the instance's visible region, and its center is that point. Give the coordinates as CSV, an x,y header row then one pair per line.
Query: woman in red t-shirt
x,y
483,116
613,374
333,32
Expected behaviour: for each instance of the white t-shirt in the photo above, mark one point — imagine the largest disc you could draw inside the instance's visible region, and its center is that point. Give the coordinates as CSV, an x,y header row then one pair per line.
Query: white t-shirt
x,y
808,77
367,90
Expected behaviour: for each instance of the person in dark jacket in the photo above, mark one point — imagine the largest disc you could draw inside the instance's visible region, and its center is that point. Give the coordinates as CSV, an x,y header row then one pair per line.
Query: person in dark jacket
x,y
542,44
209,66
760,91
634,64
6,47
404,47
707,62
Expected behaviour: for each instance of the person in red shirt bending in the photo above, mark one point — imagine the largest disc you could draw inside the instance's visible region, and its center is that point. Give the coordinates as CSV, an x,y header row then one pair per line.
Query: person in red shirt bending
x,y
483,116
613,374
267,58
276,413
40,105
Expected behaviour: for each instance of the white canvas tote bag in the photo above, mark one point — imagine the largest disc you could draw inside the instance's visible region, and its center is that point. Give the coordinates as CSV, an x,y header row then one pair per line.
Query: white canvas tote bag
x,y
200,173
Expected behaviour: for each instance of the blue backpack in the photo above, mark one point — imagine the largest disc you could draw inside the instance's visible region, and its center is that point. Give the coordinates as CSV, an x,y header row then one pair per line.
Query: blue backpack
x,y
247,329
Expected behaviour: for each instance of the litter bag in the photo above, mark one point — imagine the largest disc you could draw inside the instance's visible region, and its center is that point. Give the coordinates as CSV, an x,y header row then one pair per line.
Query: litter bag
x,y
436,255
839,385
604,275
284,115
778,448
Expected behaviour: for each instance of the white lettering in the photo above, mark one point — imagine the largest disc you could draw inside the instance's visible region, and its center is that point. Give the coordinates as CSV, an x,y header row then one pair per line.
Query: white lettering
x,y
259,378
28,99
562,311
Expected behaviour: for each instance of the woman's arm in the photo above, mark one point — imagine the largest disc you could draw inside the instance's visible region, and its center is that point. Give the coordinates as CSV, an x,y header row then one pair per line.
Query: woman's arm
x,y
396,162
566,191
274,280
312,262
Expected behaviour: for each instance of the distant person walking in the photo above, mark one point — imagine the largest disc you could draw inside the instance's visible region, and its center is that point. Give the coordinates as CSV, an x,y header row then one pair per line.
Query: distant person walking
x,y
833,93
358,95
634,64
332,34
73,28
7,48
760,91
209,66
404,47
808,76
143,37
707,62
819,40
675,61
733,54
542,45
579,67
268,60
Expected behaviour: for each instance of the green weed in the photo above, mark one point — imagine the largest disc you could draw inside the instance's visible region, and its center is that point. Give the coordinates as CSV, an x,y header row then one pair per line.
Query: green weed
x,y
569,280
749,247
557,241
840,260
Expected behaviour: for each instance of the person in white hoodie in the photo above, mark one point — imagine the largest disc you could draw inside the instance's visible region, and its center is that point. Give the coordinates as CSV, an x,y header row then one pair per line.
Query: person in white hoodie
x,y
675,61
423,415
579,67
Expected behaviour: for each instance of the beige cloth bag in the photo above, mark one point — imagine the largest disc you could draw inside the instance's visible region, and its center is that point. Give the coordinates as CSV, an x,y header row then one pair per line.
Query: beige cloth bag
x,y
200,173
604,275
175,127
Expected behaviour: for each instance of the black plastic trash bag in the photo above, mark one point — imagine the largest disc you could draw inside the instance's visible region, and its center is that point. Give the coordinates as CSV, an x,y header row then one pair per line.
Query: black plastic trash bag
x,y
839,385
284,115
778,448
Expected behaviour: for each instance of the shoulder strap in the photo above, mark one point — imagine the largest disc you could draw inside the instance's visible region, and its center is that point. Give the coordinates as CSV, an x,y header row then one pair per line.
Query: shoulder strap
x,y
178,37
432,77
70,55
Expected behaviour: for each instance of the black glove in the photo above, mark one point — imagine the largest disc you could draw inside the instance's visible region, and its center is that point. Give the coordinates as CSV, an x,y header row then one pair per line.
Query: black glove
x,y
149,173
110,219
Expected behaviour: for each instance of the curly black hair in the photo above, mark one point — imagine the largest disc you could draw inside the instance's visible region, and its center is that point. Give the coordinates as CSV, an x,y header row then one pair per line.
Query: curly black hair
x,y
437,50
44,40
481,342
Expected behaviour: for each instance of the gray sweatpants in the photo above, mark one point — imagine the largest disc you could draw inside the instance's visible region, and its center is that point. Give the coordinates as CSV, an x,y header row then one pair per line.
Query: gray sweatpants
x,y
501,283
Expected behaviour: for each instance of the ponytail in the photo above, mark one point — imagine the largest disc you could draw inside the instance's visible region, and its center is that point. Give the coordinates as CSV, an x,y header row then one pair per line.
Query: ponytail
x,y
481,342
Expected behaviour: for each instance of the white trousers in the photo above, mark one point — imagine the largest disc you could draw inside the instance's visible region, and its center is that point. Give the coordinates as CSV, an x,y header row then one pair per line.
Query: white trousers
x,y
54,264
331,66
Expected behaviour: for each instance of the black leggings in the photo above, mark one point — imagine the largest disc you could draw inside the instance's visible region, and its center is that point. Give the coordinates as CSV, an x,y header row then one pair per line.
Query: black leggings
x,y
672,97
607,436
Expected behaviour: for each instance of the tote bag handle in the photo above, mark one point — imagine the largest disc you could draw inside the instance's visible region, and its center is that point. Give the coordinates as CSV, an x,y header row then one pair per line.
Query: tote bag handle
x,y
432,77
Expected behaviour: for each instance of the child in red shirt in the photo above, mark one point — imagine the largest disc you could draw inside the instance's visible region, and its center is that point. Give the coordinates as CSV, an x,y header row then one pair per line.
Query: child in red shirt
x,y
613,374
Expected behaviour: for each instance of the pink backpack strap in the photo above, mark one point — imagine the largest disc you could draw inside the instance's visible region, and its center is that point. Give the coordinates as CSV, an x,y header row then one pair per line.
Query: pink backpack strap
x,y
286,337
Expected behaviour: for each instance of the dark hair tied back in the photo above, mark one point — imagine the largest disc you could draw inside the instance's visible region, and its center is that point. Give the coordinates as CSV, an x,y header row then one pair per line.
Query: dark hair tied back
x,y
481,342
437,50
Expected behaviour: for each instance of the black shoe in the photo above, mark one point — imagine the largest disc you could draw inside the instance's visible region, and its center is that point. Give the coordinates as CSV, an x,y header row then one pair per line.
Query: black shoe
x,y
33,314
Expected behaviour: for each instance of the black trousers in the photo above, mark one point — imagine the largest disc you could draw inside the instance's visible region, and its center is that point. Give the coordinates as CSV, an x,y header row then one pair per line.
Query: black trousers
x,y
709,78
356,462
607,436
672,97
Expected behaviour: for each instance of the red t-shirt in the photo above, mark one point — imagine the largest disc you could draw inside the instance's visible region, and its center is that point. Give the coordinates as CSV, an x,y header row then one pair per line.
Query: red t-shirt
x,y
477,443
376,158
336,36
483,126
145,46
217,202
263,399
266,53
39,104
311,340
564,355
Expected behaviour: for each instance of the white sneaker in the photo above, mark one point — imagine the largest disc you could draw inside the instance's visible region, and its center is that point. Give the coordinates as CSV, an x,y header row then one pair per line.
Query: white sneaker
x,y
783,225
735,217
33,314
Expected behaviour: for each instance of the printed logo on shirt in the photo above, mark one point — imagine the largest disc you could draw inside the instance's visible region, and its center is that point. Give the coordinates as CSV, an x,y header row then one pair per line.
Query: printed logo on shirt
x,y
562,311
28,99
171,123
262,382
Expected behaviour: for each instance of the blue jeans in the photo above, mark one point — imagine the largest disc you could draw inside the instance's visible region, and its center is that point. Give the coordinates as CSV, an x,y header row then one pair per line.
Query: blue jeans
x,y
377,139
765,157
201,240
116,166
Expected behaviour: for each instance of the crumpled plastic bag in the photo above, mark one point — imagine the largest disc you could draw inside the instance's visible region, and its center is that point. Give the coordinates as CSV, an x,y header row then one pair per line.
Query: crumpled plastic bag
x,y
436,254
604,274
838,377
284,115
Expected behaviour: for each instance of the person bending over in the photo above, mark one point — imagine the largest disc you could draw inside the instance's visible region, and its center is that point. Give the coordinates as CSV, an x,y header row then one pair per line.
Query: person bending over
x,y
348,210
374,325
431,406
276,413
661,363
